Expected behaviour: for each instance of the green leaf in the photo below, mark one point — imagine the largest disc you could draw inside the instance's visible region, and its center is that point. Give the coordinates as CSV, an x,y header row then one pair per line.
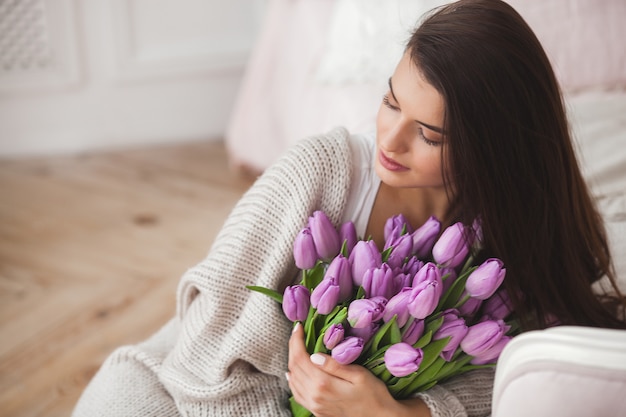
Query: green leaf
x,y
312,277
270,293
344,248
453,368
450,297
427,386
297,410
424,376
387,335
424,340
397,388
338,315
372,357
385,254
431,352
433,324
319,344
309,330
360,293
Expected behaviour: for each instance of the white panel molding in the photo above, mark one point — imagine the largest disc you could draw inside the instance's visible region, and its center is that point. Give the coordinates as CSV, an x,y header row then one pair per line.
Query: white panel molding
x,y
138,60
38,47
119,73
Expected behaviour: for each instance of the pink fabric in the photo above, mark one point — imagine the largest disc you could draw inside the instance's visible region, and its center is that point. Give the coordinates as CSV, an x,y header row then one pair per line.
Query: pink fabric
x,y
584,40
279,101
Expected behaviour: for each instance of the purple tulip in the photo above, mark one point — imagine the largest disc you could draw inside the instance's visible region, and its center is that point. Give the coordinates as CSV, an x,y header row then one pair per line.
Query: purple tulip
x,y
379,282
483,336
477,229
412,266
454,327
492,354
424,237
340,269
364,255
325,235
347,235
333,335
448,276
296,302
348,350
423,299
402,248
485,280
452,247
325,296
402,359
304,251
398,306
471,305
429,272
413,332
401,280
394,226
364,312
365,333
498,306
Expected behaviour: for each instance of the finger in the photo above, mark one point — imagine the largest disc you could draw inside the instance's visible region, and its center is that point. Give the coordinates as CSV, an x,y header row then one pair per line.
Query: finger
x,y
300,367
297,349
330,366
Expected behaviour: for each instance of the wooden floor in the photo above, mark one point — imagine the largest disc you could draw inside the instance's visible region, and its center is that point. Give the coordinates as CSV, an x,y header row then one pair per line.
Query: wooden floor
x,y
91,250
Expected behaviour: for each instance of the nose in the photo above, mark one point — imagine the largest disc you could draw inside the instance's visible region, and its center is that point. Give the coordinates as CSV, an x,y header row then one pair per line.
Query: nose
x,y
395,137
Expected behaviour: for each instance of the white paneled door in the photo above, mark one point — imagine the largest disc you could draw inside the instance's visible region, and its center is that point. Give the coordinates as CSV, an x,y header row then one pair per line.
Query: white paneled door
x,y
81,75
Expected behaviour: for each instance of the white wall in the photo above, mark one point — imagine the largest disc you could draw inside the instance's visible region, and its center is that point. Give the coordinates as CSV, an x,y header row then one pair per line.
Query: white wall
x,y
82,75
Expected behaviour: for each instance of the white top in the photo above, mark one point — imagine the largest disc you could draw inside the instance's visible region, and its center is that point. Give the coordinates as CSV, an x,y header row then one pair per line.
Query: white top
x,y
365,182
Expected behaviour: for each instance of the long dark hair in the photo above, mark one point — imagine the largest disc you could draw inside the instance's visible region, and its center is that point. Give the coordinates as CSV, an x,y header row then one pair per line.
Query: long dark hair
x,y
510,161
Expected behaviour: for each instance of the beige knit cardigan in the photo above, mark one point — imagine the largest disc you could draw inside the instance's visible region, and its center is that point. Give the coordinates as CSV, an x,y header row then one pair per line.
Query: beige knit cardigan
x,y
225,353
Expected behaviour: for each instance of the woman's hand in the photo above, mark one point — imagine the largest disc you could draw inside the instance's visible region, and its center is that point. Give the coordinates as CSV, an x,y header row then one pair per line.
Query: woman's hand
x,y
329,389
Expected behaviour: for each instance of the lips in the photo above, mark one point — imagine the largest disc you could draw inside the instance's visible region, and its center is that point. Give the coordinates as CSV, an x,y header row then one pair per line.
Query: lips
x,y
389,163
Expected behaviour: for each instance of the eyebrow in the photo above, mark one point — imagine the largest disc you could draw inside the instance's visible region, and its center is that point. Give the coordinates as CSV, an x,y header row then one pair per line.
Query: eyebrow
x,y
431,127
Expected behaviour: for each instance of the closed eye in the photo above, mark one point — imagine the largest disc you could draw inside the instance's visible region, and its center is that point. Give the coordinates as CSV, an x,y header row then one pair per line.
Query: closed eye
x,y
387,103
428,142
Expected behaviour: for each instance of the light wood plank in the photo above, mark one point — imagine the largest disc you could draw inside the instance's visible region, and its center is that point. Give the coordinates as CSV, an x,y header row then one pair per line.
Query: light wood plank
x,y
91,250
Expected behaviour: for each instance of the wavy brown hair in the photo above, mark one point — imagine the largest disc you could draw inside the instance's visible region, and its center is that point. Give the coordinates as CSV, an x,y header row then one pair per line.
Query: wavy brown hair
x,y
511,161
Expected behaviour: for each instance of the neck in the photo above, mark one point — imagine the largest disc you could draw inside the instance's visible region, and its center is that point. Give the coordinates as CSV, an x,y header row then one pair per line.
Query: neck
x,y
416,204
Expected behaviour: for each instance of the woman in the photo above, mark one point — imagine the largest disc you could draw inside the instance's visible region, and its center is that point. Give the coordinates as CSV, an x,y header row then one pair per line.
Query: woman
x,y
474,120
472,126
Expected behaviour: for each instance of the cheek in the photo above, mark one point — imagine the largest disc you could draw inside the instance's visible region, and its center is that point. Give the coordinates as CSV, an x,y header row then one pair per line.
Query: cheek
x,y
428,162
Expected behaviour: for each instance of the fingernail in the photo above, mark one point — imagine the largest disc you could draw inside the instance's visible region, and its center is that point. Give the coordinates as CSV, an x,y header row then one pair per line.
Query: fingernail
x,y
295,327
287,376
318,359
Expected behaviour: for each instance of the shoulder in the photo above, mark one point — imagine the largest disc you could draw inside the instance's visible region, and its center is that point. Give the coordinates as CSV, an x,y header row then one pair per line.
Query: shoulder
x,y
325,147
313,174
324,157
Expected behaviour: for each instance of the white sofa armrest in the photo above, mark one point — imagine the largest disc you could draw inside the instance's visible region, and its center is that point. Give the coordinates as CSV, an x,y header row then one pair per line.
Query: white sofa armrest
x,y
563,371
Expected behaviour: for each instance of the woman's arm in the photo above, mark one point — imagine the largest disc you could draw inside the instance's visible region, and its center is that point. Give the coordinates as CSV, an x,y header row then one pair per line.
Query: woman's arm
x,y
329,389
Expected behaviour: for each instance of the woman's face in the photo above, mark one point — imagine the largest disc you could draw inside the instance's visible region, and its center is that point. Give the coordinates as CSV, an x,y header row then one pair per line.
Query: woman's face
x,y
409,131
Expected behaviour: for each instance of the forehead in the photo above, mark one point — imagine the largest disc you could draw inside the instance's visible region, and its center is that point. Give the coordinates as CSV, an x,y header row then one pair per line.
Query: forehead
x,y
416,97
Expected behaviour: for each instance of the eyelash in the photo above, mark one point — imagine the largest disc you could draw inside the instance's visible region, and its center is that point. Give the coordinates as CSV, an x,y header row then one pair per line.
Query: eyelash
x,y
428,142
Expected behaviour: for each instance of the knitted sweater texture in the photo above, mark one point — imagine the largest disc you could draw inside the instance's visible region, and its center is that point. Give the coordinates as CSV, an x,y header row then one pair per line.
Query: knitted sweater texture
x,y
225,353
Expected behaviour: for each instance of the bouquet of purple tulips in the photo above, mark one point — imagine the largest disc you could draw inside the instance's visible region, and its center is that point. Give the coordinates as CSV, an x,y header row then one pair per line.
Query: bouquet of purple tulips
x,y
415,313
